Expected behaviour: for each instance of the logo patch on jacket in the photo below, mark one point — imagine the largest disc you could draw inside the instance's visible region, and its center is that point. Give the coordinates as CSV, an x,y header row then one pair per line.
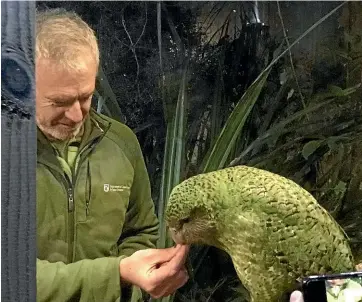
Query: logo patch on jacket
x,y
114,188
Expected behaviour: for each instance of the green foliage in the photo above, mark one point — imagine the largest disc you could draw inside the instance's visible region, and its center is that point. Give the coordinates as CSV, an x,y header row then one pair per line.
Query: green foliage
x,y
225,141
173,159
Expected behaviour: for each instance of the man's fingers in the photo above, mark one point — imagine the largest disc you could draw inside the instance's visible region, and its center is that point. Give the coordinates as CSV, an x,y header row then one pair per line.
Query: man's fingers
x,y
179,259
181,278
165,255
296,296
170,267
168,286
173,268
175,255
165,269
178,281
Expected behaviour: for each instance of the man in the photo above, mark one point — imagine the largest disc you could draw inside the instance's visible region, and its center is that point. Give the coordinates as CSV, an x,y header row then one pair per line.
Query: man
x,y
343,290
96,226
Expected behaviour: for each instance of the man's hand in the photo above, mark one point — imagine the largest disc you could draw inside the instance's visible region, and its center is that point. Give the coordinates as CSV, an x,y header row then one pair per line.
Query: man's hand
x,y
160,272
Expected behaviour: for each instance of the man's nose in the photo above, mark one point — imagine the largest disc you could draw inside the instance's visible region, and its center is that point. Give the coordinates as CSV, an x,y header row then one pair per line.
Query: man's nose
x,y
74,113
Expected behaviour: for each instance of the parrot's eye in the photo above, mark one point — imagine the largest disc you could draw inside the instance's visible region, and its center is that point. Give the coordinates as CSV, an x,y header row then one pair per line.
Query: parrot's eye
x,y
185,220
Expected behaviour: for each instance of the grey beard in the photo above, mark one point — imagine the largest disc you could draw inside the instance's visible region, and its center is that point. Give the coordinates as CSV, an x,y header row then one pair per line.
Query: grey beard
x,y
53,134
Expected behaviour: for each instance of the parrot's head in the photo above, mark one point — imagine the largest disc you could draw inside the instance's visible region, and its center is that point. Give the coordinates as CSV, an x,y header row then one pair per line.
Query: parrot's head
x,y
191,212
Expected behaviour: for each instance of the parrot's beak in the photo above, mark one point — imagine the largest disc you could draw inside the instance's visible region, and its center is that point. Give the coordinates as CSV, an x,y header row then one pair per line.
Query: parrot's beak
x,y
177,236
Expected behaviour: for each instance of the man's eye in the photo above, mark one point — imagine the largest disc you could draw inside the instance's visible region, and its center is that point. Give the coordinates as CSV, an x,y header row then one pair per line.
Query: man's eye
x,y
60,104
85,98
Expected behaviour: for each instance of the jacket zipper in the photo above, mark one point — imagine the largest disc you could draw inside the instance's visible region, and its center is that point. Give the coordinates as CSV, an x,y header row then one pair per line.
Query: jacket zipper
x,y
87,208
70,200
89,191
70,195
89,147
70,184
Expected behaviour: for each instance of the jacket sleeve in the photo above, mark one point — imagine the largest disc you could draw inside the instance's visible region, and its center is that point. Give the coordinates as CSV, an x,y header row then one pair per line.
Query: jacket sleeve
x,y
141,225
85,280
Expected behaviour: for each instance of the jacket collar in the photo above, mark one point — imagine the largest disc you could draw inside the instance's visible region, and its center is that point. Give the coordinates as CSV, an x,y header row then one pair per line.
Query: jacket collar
x,y
95,126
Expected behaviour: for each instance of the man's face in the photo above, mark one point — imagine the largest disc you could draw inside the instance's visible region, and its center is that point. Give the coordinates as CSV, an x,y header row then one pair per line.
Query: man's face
x,y
337,282
63,98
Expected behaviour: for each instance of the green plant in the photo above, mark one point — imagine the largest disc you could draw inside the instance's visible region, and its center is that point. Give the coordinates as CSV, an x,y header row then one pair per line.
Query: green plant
x,y
226,137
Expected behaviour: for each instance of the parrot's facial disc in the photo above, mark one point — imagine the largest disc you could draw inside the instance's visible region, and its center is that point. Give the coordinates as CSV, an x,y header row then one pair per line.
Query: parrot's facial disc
x,y
177,236
194,229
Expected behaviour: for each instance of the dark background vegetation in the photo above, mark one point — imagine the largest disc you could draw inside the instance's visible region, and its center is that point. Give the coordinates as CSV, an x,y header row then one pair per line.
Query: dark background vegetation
x,y
306,123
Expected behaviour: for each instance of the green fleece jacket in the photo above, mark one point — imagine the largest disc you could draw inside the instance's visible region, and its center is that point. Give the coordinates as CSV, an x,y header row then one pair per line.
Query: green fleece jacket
x,y
91,215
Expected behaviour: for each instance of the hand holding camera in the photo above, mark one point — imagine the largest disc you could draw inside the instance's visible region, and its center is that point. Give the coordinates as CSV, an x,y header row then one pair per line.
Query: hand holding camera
x,y
346,287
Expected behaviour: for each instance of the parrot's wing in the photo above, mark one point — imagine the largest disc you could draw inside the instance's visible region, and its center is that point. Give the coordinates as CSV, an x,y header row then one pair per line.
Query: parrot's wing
x,y
256,264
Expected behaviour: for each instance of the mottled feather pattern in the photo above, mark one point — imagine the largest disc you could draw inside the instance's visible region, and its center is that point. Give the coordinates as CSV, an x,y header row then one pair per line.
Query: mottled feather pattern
x,y
273,229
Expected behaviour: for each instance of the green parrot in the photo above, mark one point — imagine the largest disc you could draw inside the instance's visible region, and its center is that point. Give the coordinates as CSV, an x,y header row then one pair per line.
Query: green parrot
x,y
274,230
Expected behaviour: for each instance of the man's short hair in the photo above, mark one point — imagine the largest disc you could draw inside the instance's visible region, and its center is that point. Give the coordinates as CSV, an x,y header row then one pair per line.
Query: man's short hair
x,y
62,36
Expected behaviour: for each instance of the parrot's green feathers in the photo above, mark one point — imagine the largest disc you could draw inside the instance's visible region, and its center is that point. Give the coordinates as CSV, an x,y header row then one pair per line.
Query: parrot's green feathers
x,y
273,229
